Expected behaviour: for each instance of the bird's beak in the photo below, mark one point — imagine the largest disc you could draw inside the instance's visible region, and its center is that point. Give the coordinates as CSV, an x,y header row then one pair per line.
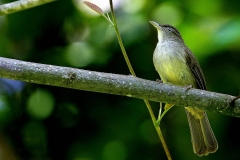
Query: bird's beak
x,y
156,25
160,30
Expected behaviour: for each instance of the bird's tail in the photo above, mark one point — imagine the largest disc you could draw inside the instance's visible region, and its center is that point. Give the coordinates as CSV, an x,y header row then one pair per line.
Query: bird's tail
x,y
203,139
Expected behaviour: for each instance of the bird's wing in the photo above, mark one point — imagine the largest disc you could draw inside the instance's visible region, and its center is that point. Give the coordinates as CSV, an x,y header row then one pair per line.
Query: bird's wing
x,y
196,69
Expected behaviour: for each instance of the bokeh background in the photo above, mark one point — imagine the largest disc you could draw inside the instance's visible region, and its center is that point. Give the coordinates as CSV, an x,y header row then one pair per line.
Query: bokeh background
x,y
39,122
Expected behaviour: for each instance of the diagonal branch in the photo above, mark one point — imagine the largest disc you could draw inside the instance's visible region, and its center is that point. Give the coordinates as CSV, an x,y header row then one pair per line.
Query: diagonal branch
x,y
21,5
117,84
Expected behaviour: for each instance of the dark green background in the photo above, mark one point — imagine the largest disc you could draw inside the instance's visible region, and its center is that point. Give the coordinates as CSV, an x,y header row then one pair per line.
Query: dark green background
x,y
44,122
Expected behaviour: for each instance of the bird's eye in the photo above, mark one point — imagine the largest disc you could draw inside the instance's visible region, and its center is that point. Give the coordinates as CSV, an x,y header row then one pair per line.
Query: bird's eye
x,y
169,29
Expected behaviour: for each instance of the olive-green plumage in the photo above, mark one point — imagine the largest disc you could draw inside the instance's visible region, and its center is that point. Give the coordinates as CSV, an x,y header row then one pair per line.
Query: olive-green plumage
x,y
176,65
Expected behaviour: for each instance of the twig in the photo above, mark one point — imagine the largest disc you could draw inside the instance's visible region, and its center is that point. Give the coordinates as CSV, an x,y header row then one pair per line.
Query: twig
x,y
129,86
21,5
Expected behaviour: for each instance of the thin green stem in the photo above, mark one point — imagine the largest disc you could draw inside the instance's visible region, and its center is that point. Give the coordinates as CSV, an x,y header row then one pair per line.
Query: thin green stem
x,y
158,129
133,73
160,116
160,111
120,40
108,19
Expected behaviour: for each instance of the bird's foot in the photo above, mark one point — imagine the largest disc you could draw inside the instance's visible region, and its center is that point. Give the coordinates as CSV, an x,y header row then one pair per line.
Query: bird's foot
x,y
188,87
159,81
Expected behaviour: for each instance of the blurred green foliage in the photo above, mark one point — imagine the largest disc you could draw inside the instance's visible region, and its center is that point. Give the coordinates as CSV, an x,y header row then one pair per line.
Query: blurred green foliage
x,y
45,122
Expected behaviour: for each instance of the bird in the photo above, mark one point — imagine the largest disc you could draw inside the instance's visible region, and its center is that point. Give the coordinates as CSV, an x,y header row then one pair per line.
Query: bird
x,y
176,65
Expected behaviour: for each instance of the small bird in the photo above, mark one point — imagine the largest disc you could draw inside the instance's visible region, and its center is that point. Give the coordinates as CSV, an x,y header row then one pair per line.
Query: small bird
x,y
177,65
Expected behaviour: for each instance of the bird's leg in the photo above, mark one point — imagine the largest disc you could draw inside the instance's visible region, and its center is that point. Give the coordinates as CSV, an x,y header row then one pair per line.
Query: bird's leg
x,y
188,87
159,80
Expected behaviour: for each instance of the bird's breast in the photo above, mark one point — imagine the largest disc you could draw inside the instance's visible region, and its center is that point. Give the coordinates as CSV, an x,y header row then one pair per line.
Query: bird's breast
x,y
170,62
